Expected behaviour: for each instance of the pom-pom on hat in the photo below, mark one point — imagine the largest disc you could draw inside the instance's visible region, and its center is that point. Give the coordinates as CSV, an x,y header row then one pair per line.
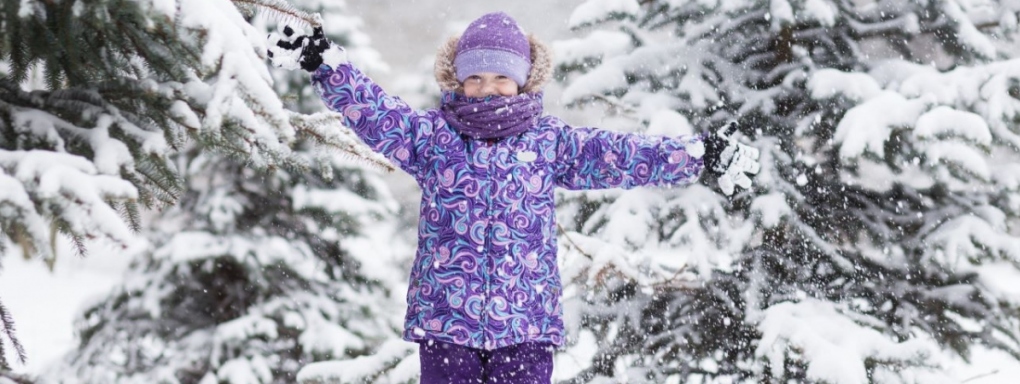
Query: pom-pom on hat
x,y
494,43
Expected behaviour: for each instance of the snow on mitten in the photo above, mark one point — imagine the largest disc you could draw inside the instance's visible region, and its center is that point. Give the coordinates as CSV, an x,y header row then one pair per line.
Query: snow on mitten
x,y
292,51
732,160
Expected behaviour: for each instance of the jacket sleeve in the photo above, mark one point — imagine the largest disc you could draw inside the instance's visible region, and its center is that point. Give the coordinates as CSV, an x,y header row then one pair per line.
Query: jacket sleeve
x,y
591,158
387,124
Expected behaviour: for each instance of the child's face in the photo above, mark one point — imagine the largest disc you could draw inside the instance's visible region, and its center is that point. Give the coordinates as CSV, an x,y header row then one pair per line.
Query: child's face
x,y
489,84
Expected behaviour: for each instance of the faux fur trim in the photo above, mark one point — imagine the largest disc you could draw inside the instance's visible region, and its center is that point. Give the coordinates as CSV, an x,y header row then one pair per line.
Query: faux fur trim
x,y
541,66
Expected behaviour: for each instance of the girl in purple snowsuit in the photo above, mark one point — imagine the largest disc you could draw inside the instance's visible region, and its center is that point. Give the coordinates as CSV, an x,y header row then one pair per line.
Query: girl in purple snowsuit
x,y
484,296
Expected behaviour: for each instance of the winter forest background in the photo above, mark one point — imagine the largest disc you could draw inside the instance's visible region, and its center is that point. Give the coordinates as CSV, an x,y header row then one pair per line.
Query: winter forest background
x,y
232,234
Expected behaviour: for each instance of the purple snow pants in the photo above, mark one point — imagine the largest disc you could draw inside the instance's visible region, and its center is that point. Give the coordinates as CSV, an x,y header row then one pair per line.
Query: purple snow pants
x,y
443,363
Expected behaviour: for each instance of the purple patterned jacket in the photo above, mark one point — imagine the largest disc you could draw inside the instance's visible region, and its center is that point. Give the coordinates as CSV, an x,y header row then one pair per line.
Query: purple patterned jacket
x,y
485,273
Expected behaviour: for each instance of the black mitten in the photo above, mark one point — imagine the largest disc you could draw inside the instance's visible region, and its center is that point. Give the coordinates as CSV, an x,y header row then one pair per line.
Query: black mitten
x,y
292,50
730,159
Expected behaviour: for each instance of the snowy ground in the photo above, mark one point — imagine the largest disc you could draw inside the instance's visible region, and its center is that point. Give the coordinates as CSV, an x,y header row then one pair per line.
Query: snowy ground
x,y
45,303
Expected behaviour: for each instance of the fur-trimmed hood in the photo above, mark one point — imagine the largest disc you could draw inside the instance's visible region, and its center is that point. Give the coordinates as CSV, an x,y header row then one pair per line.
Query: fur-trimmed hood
x,y
541,66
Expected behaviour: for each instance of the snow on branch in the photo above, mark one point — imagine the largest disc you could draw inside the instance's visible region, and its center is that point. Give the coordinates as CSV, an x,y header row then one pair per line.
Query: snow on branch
x,y
594,11
634,71
968,34
240,109
784,12
621,240
595,46
395,356
955,117
828,83
70,191
907,24
961,241
867,127
835,347
19,218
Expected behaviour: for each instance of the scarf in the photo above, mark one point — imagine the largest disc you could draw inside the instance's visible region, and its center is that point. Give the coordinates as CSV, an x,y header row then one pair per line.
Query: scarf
x,y
491,117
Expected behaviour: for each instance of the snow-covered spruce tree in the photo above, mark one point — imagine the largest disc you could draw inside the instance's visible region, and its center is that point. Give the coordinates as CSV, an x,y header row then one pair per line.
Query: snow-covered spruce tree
x,y
881,241
254,275
251,277
95,97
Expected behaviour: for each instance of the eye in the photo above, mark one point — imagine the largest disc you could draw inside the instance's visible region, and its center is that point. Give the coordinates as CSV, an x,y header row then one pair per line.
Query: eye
x,y
474,78
502,78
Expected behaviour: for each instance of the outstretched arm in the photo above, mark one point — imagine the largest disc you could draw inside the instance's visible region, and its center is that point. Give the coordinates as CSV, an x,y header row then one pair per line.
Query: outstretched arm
x,y
386,123
591,159
594,159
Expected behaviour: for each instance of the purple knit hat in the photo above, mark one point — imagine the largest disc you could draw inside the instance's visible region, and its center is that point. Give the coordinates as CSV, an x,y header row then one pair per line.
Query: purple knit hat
x,y
494,43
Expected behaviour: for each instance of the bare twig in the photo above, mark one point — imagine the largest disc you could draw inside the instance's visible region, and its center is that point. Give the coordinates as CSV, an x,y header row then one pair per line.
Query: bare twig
x,y
983,375
572,243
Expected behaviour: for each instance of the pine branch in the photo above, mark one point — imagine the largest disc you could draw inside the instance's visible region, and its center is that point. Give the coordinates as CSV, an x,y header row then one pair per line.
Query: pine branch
x,y
322,129
280,10
7,321
165,183
128,211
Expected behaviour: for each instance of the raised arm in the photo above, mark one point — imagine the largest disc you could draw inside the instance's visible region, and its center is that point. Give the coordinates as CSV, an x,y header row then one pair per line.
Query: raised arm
x,y
591,158
386,123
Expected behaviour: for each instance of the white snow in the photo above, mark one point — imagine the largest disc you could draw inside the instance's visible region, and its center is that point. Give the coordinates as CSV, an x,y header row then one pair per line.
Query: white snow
x,y
667,122
45,317
597,45
322,336
16,203
358,369
958,154
945,121
110,154
828,83
71,182
650,60
595,10
780,13
967,31
1002,277
1007,176
26,8
833,345
246,327
965,238
334,56
184,115
822,11
245,370
866,127
771,209
573,360
335,201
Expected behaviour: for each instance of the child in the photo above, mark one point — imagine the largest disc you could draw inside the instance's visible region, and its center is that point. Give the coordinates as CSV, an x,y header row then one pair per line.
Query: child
x,y
484,289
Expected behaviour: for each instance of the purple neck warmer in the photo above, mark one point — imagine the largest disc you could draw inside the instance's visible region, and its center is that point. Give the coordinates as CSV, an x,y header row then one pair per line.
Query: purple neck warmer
x,y
491,117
